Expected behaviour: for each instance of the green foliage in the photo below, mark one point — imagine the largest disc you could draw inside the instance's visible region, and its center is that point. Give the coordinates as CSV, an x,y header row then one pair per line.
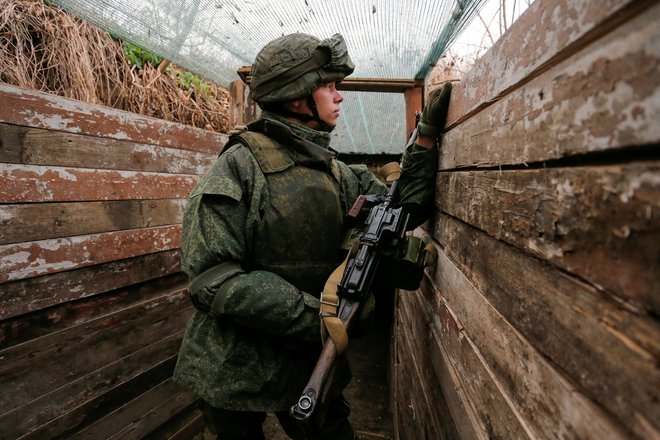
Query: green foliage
x,y
139,56
190,81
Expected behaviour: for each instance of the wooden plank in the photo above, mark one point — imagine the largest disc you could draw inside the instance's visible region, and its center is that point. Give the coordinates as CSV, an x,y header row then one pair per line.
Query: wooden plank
x,y
546,34
421,386
31,222
540,393
493,408
25,260
35,183
378,85
609,352
599,223
34,146
31,108
140,416
81,402
182,426
98,292
42,365
409,411
414,100
603,98
243,109
462,410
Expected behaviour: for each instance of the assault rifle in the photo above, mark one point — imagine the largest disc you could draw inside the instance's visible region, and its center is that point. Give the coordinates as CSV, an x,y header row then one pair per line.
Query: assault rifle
x,y
383,243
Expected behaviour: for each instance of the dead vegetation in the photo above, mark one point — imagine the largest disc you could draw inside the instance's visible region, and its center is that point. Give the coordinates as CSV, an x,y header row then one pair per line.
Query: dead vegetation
x,y
43,48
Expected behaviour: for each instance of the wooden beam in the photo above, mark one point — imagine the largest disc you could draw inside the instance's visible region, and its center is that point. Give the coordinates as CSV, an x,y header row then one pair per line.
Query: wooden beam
x,y
386,85
604,98
414,97
383,85
38,146
243,109
599,223
31,108
608,352
549,38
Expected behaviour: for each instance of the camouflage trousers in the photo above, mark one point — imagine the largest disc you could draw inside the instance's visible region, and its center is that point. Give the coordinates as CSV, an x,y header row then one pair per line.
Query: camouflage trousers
x,y
245,425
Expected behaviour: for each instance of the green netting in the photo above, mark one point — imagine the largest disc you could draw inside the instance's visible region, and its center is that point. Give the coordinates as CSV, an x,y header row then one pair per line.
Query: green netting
x,y
213,38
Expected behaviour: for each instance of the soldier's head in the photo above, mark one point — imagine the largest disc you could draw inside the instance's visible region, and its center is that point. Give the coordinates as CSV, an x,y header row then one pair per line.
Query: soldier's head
x,y
295,76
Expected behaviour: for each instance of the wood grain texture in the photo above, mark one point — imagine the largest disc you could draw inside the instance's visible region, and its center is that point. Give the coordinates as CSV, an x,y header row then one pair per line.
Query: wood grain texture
x,y
140,416
599,223
605,97
547,33
45,364
609,352
31,222
48,307
31,108
32,183
549,403
419,393
107,401
26,260
34,146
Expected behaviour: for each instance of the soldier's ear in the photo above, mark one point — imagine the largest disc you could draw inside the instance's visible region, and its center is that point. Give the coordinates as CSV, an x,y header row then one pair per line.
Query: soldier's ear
x,y
297,105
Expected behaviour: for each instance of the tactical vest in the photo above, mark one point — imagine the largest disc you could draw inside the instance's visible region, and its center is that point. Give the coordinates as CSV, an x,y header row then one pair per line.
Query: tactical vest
x,y
300,227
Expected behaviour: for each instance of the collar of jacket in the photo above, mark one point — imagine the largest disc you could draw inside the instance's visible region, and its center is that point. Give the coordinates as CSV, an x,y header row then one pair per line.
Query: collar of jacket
x,y
306,147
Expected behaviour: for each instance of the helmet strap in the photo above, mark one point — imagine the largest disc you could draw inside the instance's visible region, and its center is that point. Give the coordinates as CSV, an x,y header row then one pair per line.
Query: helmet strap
x,y
323,126
281,109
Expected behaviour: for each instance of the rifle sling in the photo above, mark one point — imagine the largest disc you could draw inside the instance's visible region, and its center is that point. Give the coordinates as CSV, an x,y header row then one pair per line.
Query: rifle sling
x,y
331,325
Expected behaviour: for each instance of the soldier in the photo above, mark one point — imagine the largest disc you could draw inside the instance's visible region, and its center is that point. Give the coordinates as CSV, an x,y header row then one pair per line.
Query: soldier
x,y
261,234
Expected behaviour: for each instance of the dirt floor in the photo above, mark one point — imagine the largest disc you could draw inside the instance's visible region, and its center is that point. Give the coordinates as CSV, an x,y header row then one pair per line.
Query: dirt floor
x,y
368,393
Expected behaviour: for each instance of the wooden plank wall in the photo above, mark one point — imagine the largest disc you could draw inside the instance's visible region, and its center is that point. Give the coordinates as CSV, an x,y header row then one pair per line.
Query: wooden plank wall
x,y
92,301
540,319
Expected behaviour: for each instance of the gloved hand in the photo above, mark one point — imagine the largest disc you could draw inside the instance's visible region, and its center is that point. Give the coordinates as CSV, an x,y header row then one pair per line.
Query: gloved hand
x,y
434,116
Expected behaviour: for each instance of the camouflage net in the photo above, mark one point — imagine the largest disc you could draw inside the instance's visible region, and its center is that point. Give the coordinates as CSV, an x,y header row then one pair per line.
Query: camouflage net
x,y
44,48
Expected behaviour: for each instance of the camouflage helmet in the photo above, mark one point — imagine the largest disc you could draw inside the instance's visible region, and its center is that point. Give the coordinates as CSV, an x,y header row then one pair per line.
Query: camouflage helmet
x,y
290,67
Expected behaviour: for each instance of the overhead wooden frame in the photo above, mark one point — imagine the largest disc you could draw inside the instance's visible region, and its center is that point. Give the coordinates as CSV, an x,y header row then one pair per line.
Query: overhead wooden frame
x,y
412,89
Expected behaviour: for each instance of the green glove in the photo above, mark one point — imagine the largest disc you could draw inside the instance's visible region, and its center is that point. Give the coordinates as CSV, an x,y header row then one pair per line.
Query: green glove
x,y
434,116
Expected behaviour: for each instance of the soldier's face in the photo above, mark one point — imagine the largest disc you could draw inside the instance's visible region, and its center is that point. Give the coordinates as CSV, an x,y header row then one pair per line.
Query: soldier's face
x,y
327,100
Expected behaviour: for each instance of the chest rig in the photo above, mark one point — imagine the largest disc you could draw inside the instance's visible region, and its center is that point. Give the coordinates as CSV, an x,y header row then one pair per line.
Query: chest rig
x,y
300,225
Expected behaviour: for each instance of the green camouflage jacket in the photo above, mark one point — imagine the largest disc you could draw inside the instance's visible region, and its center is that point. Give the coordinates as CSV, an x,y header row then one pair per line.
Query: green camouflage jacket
x,y
270,212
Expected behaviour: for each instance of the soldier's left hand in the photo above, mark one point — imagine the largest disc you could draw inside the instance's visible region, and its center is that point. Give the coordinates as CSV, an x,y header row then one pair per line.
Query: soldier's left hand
x,y
434,116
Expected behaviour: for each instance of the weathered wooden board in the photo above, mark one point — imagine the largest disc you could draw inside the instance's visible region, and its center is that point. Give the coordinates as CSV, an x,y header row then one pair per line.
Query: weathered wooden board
x,y
548,32
419,390
25,260
183,426
109,399
31,222
92,301
31,108
495,412
599,223
36,183
141,415
412,405
605,97
548,402
34,146
463,412
583,333
136,280
49,362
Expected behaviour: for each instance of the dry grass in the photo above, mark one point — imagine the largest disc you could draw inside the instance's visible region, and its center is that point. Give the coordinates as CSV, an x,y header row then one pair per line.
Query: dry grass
x,y
43,48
